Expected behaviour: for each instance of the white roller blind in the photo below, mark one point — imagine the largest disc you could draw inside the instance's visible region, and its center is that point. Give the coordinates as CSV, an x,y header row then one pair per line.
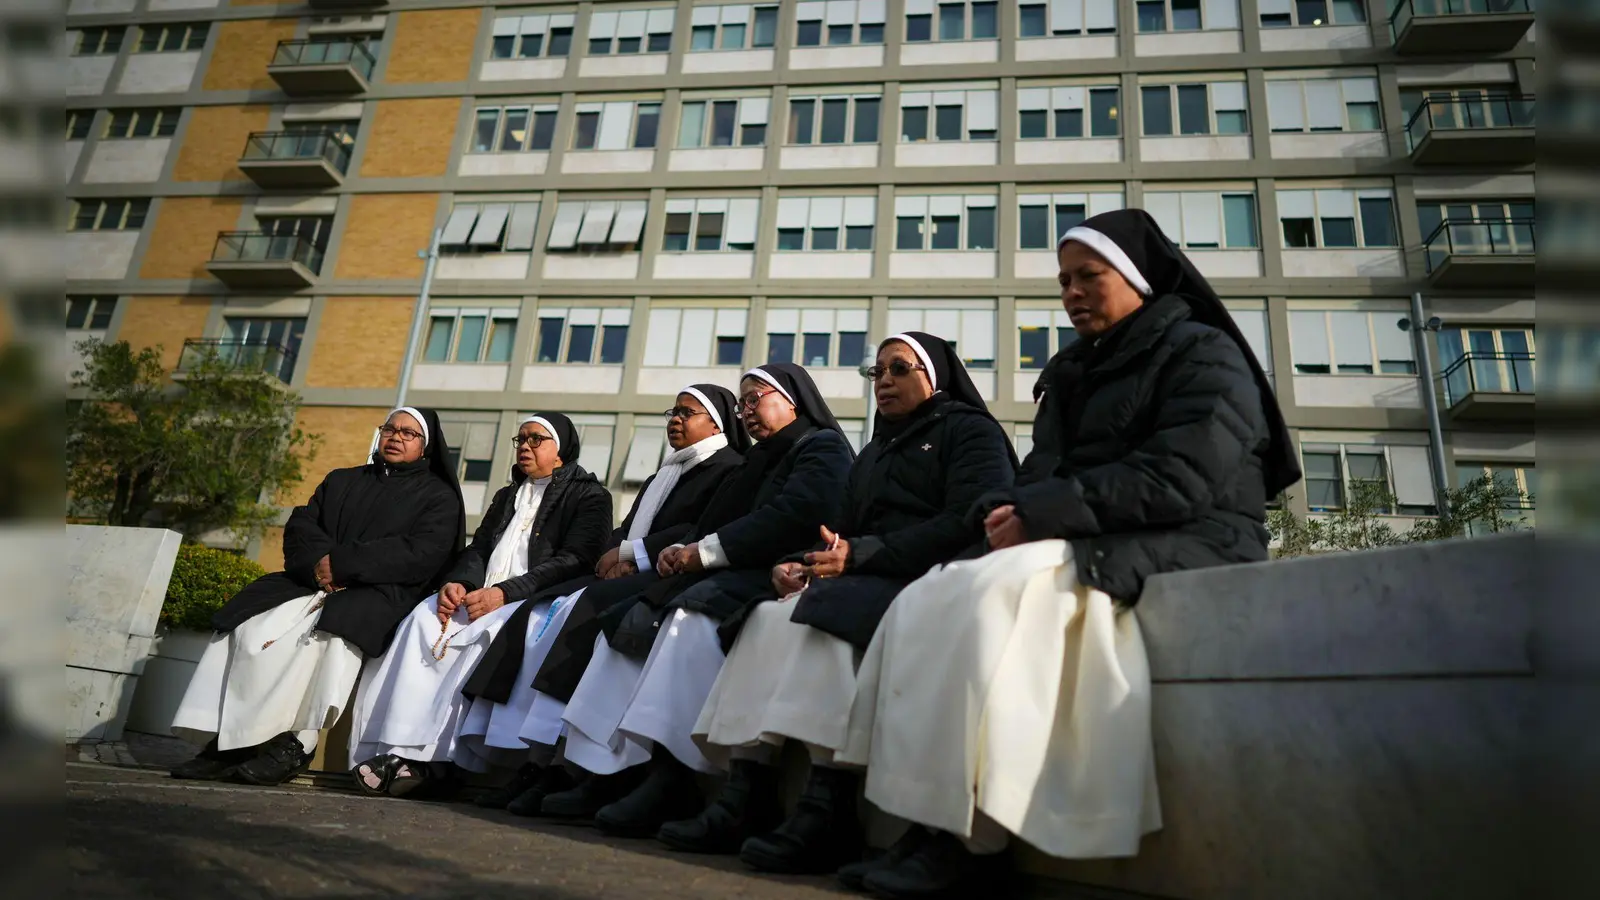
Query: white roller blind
x,y
1275,7
590,107
914,99
1033,98
524,222
680,206
615,316
644,453
783,321
1066,15
827,212
712,204
1375,194
1336,204
1202,218
903,320
1034,318
1413,475
852,320
986,201
695,337
1308,338
505,25
810,11
660,21
459,226
1168,213
564,231
871,12
860,210
631,23
597,222
919,7
616,120
944,206
1228,95
1393,344
731,322
949,98
816,321
1296,205
1033,200
742,214
1099,203
944,323
1360,90
562,20
1221,14
1284,109
603,25
792,212
1067,97
705,15
1324,108
738,14
911,206
1352,345
629,223
977,334
841,12
584,317
1100,14
983,112
536,24
661,338
753,110
1253,325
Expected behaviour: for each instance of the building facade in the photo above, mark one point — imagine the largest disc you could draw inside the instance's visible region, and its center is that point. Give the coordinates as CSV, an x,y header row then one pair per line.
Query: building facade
x,y
633,196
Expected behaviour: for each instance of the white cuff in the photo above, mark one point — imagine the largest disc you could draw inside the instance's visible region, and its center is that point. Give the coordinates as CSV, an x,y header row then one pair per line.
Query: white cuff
x,y
711,555
641,557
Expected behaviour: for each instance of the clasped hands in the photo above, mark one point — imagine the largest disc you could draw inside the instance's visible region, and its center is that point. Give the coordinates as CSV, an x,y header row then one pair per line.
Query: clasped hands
x,y
1004,528
614,565
477,603
680,560
790,577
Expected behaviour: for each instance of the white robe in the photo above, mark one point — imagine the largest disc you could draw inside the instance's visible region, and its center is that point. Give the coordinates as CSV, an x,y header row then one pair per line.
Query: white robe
x,y
274,673
506,731
1002,685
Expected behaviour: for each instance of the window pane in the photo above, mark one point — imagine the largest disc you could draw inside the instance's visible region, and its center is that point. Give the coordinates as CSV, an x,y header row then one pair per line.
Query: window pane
x,y
908,233
780,348
677,232
808,34
549,349
613,344
531,45
588,127
1152,15
816,349
1338,232
470,343
1363,116
947,123
560,41
871,34
730,351
1035,227
660,43
649,123
866,129
1233,121
628,45
691,124
724,113
1069,123
703,37
502,334
1313,12
1068,216
914,123
516,130
1033,347
946,233
800,120
824,238
144,123
980,228
1377,222
599,46
1185,15
766,31
852,348
439,329
1349,12
1103,113
834,115
78,311
984,22
858,237
791,238
1239,220
919,28
580,345
1194,113
1299,233
841,35
1032,21
752,135
1035,123
708,232
1157,103
952,21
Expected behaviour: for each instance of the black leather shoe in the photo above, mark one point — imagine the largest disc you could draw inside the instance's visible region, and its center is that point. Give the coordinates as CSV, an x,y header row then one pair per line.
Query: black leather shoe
x,y
552,780
822,835
525,777
211,764
275,762
594,792
854,875
668,792
941,867
747,805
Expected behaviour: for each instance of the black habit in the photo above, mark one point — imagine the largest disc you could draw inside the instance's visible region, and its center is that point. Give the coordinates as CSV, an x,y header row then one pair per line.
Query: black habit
x,y
388,532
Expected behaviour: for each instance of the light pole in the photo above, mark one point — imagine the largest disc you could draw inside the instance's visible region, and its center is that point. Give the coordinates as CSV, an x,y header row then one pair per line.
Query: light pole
x,y
419,316
1418,326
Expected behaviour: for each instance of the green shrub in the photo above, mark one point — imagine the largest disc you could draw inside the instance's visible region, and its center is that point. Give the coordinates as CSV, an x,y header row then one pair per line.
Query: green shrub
x,y
203,578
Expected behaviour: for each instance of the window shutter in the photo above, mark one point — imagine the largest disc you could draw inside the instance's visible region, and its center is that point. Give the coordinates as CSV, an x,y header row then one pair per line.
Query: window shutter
x,y
1033,98
564,231
534,24
783,321
1253,325
597,222
977,334
1100,14
810,11
1067,97
615,316
753,110
563,20
841,12
732,322
742,215
705,15
459,227
1324,108
944,206
660,21
644,453
629,223
1296,205
1221,15
616,120
1202,218
1066,15
695,337
1308,338
661,337
1285,111
631,23
738,14
1352,344
506,26
524,222
860,210
1413,475
914,99
911,206
1099,203
848,320
1167,210
1336,204
871,12
816,321
1228,95
1393,344
983,113
603,25
793,212
1360,90
919,7
827,212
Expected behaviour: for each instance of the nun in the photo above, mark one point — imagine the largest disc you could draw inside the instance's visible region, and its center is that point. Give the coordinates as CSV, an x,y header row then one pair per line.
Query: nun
x,y
289,647
1009,695
655,656
934,452
508,718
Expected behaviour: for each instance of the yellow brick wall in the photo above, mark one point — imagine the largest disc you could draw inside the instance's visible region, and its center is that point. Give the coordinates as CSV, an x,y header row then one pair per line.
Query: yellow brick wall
x,y
383,234
346,439
215,140
243,51
360,342
433,46
186,233
411,138
167,321
271,555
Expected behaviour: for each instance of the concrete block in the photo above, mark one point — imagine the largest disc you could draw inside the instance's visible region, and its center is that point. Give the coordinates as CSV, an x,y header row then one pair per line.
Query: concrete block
x,y
172,661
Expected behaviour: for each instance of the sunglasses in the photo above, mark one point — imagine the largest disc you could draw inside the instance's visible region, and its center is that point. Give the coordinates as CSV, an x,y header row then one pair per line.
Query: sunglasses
x,y
899,369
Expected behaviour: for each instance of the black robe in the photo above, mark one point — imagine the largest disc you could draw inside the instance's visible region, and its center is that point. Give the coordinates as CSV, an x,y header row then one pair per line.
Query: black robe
x,y
389,533
496,673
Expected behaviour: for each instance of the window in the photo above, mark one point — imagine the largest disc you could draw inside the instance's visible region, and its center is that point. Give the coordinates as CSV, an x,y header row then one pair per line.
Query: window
x,y
1485,106
90,313
1328,104
263,344
1044,218
491,227
969,325
173,38
932,20
617,125
1253,325
79,121
1169,15
1328,218
1334,472
584,336
838,23
470,335
1206,220
634,31
834,119
711,224
1058,113
1482,226
737,27
472,446
109,215
945,222
1501,361
724,123
680,336
826,223
1349,342
613,225
948,116
98,42
142,123
1041,334
1059,18
531,37
1217,108
822,337
1520,477
1311,13
514,129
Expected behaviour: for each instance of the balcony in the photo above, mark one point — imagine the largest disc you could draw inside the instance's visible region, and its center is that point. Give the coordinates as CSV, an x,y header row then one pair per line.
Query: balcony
x,y
1459,26
244,357
1481,253
256,259
1489,387
1488,130
335,65
275,159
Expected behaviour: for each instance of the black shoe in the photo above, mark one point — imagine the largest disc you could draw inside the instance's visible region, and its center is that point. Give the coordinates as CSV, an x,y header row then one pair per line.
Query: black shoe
x,y
211,764
552,780
941,867
594,792
668,792
854,875
747,805
275,762
525,777
822,835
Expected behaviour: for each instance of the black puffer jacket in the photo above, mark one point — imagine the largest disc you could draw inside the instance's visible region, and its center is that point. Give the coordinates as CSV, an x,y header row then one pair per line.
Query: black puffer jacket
x,y
1147,453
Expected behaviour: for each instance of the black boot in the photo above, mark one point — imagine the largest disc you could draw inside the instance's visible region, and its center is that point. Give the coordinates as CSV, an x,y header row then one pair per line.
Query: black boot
x,y
211,764
668,792
552,780
822,835
592,793
854,875
525,777
275,762
747,805
942,867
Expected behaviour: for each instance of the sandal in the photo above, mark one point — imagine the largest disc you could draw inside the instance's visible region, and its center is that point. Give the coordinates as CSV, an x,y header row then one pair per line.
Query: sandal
x,y
374,776
407,776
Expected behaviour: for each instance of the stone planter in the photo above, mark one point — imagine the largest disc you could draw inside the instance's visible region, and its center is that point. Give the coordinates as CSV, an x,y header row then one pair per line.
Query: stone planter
x,y
173,656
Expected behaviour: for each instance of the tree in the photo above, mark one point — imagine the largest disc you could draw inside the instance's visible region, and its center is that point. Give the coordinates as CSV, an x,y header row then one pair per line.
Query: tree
x,y
193,456
1484,505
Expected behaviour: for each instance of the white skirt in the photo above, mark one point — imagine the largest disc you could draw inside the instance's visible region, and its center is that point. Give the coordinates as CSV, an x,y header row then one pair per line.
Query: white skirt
x,y
504,732
782,680
622,707
1003,685
410,701
274,673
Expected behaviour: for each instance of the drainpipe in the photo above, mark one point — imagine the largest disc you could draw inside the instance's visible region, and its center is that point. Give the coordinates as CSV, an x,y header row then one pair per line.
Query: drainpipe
x,y
1430,401
419,317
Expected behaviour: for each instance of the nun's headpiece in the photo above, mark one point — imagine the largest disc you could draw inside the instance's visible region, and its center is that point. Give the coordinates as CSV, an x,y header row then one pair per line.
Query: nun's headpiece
x,y
945,370
723,407
568,447
796,386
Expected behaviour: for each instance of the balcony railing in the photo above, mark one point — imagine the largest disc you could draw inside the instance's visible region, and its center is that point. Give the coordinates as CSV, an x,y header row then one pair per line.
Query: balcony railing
x,y
282,145
1478,237
245,356
1491,111
1404,11
326,52
261,247
1487,373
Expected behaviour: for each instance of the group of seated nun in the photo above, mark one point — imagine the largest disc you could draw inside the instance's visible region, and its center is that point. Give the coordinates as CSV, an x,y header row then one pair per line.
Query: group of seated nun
x,y
940,628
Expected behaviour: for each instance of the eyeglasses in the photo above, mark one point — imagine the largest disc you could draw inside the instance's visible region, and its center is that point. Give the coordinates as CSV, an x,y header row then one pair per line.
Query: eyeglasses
x,y
534,440
405,434
899,369
749,402
682,412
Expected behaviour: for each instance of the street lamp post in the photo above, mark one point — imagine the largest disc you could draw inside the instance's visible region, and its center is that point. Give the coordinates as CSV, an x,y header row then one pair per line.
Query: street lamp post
x,y
1418,326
